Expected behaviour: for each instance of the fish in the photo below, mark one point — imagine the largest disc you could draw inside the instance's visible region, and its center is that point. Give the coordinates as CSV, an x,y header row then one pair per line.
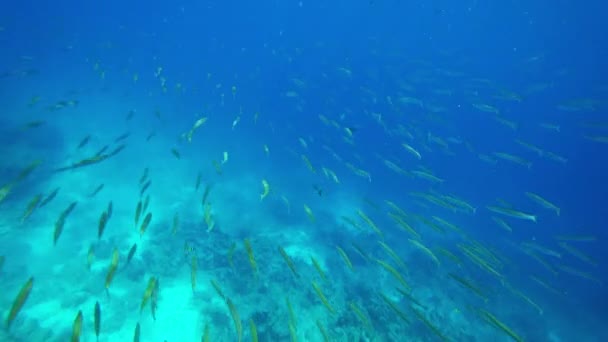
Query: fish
x,y
289,261
28,170
144,176
206,193
308,164
31,207
19,301
236,319
145,223
49,198
138,210
425,249
323,331
345,257
198,181
176,153
193,266
309,213
96,191
146,203
33,124
136,333
131,253
110,209
323,299
266,190
144,188
103,220
543,202
512,213
84,141
513,158
112,268
251,256
427,176
175,227
90,256
122,137
253,331
196,125
59,224
147,293
411,150
5,191
154,300
77,327
218,167
130,115
485,108
97,319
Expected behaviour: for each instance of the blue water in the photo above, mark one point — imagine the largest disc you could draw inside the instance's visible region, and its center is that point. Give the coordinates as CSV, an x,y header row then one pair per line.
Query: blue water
x,y
343,85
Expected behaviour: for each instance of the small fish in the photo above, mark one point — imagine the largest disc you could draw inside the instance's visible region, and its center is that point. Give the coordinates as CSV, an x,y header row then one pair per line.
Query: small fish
x,y
103,220
49,198
147,293
130,115
96,191
151,135
90,256
175,152
131,253
512,213
411,150
84,141
154,300
175,227
122,137
102,151
59,224
19,301
31,207
206,194
117,150
146,203
110,210
543,202
145,224
97,321
144,176
266,191
28,170
77,327
144,188
5,190
138,212
193,267
218,167
196,125
33,124
137,332
198,181
112,269
309,213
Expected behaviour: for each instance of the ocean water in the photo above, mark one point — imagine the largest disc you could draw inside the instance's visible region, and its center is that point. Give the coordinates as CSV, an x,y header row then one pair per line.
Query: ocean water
x,y
322,171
